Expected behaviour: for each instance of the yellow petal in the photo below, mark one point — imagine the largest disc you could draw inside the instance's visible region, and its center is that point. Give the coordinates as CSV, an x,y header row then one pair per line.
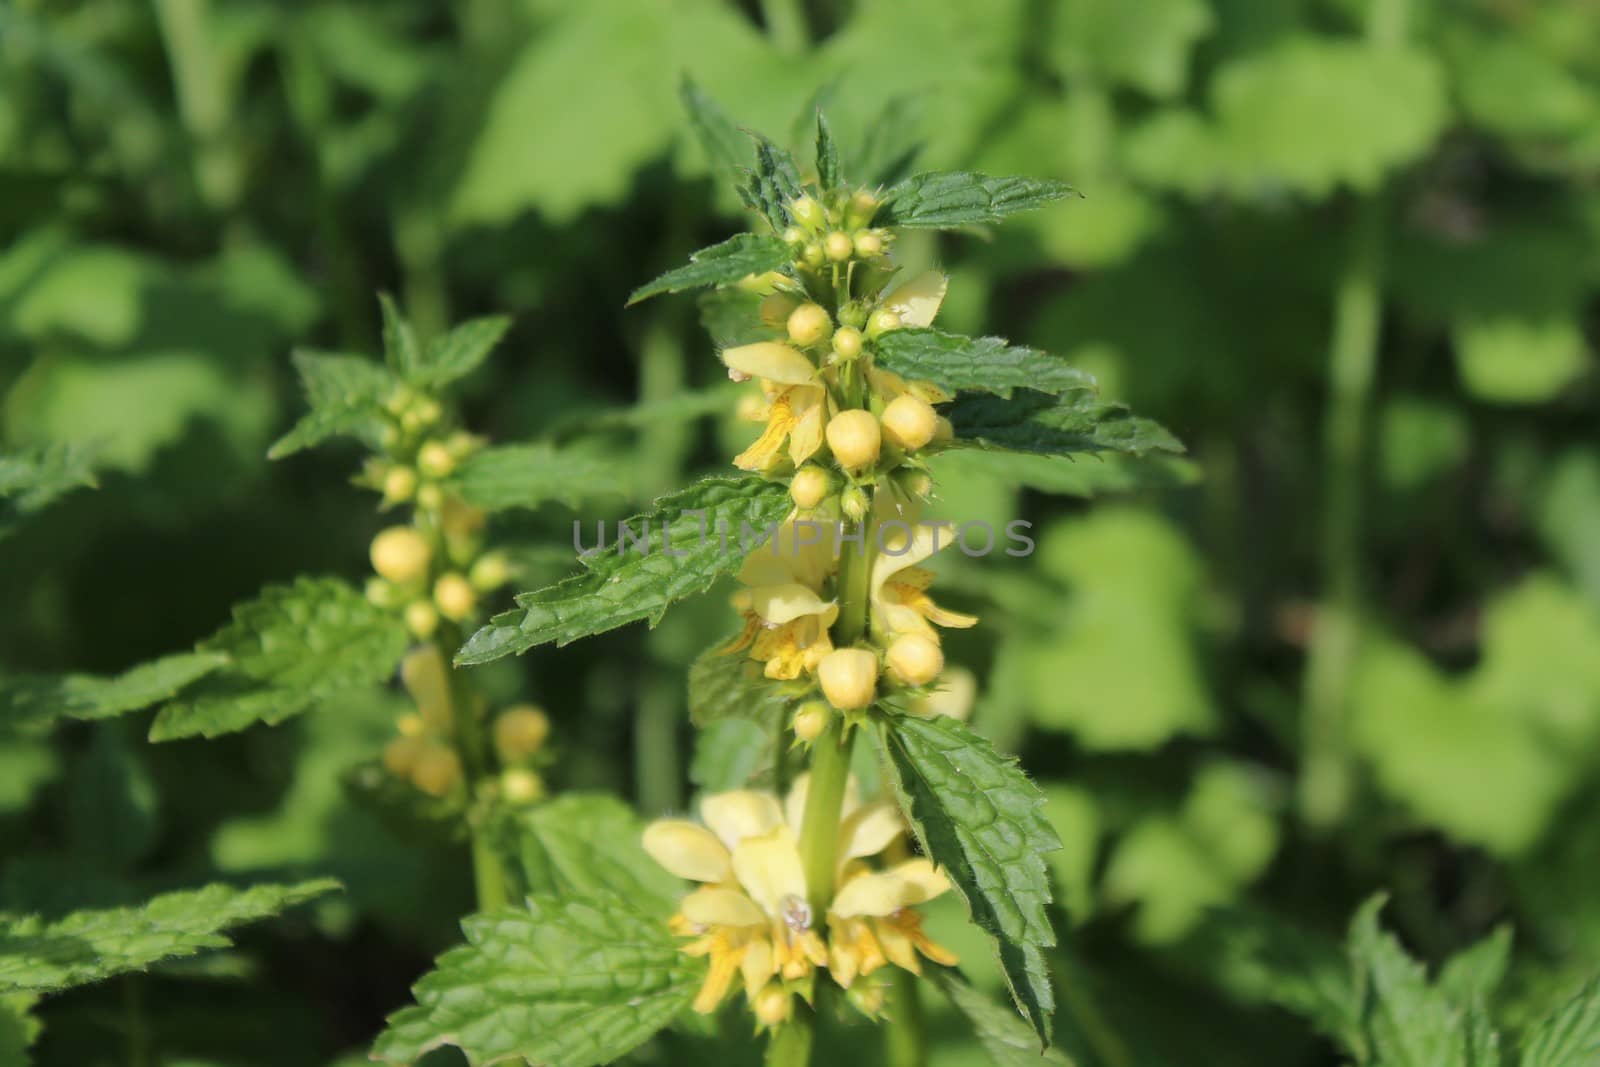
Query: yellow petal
x,y
740,814
806,436
926,880
768,867
918,300
688,850
721,907
757,965
877,894
870,830
902,550
771,360
778,604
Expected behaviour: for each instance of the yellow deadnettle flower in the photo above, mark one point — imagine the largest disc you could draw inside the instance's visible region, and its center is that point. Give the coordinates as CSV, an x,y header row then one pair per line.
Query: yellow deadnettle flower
x,y
917,301
751,916
900,600
797,404
786,619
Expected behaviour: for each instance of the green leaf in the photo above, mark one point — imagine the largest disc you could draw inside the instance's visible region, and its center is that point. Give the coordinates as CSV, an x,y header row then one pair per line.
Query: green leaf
x,y
567,983
722,264
945,200
772,185
983,364
1050,426
401,350
1093,476
702,542
19,1028
1569,1036
1006,1039
90,946
529,476
683,405
1145,46
33,699
727,685
460,352
34,478
980,818
346,394
725,145
729,753
581,844
287,650
829,176
890,147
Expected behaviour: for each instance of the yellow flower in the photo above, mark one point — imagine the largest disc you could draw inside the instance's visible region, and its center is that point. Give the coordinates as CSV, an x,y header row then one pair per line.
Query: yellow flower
x,y
797,404
917,301
900,600
786,619
751,917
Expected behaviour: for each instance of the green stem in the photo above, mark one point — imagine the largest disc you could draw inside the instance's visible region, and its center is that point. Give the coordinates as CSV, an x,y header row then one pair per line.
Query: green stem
x,y
905,1040
790,1044
1352,360
136,1033
1325,781
786,22
488,875
819,833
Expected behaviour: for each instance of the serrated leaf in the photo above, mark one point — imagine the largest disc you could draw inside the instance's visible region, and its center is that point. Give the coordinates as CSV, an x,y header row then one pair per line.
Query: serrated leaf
x,y
829,175
564,983
721,264
979,818
288,649
459,352
88,946
729,685
945,200
346,394
529,476
1055,426
580,844
34,478
401,350
727,148
773,183
1569,1036
983,364
701,544
34,699
1006,1038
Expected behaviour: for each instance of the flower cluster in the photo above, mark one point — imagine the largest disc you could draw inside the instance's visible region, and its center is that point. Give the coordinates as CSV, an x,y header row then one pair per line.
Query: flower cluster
x,y
751,917
852,439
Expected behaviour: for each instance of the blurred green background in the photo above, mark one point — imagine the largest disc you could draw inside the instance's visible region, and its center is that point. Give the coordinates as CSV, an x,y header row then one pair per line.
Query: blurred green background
x,y
1349,253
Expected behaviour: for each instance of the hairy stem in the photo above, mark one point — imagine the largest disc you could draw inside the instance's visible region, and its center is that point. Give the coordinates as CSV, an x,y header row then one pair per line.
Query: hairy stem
x,y
905,1040
472,746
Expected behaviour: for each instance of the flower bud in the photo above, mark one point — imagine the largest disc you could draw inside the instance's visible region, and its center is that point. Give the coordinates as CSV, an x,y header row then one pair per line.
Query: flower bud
x,y
809,487
491,571
916,483
869,244
410,725
849,677
400,554
422,413
809,324
435,460
854,438
380,593
521,786
430,497
943,431
853,313
915,659
855,503
808,213
909,422
519,732
421,619
882,321
401,754
861,208
811,719
399,485
868,998
454,597
437,771
774,1005
793,235
847,342
776,309
463,444
812,255
838,246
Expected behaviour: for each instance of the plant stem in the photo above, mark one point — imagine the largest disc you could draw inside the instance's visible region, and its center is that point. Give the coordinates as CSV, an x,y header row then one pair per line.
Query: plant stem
x,y
790,1044
1325,781
905,1040
488,876
138,1036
